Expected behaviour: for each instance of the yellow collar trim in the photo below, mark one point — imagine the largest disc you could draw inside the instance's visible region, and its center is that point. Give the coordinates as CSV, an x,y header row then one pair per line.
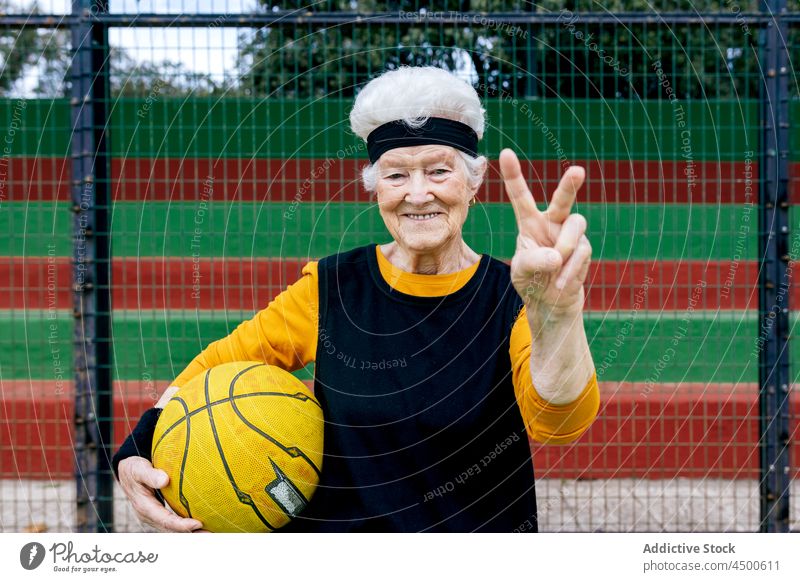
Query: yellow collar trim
x,y
423,285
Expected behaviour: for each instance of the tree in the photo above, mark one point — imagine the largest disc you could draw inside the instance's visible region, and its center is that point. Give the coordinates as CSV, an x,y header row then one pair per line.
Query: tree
x,y
37,61
577,60
568,59
614,61
314,61
132,78
34,54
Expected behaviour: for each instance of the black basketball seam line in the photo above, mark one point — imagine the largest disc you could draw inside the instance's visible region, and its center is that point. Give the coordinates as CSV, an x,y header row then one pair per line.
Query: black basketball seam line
x,y
181,496
174,425
305,398
240,495
271,439
243,497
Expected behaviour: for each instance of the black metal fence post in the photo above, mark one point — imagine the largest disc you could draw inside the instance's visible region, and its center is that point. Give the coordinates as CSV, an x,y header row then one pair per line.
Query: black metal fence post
x,y
91,268
774,278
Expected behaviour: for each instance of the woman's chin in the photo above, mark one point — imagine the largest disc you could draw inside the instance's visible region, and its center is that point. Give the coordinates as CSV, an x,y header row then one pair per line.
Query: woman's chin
x,y
423,242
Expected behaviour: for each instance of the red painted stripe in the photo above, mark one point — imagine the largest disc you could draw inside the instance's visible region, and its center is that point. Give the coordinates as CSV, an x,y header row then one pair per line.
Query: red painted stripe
x,y
667,431
38,178
323,180
151,283
182,283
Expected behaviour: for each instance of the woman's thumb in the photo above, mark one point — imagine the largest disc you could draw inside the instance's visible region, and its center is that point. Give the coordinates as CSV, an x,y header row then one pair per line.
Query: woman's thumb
x,y
153,478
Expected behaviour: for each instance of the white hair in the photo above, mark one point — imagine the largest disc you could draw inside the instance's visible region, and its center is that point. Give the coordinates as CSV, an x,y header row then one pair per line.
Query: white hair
x,y
414,94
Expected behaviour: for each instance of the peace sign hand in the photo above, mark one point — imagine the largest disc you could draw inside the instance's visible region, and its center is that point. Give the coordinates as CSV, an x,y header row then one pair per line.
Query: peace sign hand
x,y
553,254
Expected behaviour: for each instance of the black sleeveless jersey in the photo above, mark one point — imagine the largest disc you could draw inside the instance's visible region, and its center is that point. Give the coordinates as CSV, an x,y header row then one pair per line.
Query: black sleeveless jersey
x,y
422,427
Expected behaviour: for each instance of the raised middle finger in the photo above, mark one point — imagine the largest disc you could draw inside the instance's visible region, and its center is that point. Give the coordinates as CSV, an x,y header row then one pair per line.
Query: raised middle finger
x,y
564,196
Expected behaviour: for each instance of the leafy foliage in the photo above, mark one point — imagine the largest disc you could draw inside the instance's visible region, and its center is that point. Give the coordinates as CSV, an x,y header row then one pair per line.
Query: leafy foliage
x,y
572,58
37,54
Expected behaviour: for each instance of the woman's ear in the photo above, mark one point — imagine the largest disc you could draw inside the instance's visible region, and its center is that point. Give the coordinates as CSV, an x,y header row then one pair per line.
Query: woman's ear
x,y
482,173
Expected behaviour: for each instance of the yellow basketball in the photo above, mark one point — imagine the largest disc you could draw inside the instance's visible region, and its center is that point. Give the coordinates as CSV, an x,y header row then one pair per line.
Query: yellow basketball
x,y
242,445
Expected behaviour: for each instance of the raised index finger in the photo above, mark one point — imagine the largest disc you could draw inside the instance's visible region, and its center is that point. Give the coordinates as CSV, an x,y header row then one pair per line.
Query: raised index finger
x,y
521,198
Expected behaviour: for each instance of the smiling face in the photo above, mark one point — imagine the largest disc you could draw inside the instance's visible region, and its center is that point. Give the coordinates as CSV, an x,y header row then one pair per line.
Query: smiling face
x,y
423,196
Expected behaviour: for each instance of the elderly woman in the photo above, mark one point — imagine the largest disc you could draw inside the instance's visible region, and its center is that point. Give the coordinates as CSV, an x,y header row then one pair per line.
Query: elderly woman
x,y
433,363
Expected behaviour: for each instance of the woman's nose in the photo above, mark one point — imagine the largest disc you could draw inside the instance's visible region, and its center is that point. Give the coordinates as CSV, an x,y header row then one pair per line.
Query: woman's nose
x,y
418,190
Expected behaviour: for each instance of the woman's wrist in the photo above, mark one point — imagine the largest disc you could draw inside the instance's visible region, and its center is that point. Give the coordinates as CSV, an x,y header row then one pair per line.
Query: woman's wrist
x,y
561,361
140,442
541,314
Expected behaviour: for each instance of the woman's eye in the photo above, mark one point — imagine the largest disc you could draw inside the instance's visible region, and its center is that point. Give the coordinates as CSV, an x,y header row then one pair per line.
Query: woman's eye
x,y
436,172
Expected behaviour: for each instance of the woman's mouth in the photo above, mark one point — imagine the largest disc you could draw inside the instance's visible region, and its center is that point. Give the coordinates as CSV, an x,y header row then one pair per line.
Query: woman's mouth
x,y
422,217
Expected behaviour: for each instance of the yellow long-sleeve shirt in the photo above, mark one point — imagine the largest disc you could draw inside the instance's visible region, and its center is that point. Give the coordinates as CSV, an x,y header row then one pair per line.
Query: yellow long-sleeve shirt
x,y
284,334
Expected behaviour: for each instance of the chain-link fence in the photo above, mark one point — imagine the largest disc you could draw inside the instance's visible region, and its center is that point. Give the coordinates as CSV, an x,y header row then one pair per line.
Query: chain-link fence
x,y
208,147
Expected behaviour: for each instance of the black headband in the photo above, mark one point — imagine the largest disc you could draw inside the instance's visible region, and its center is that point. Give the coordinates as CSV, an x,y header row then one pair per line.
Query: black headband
x,y
437,130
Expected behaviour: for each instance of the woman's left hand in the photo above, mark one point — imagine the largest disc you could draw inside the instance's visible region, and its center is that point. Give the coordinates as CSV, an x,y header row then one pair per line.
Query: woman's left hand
x,y
552,257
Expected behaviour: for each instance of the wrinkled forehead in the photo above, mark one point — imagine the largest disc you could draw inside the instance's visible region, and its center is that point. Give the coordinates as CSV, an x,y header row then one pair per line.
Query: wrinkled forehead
x,y
418,156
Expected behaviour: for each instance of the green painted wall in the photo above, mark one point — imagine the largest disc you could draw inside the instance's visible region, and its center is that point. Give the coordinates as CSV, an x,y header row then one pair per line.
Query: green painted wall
x,y
712,347
161,343
584,129
617,232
